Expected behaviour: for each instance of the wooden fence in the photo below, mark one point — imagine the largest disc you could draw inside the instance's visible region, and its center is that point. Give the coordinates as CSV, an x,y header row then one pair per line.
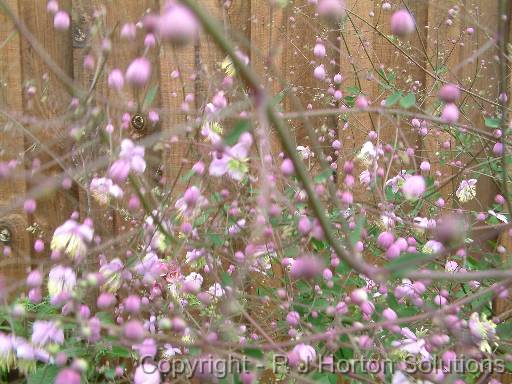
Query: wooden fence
x,y
279,43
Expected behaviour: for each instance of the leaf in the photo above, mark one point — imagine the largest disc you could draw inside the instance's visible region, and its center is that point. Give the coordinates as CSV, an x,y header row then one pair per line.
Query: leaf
x,y
407,262
254,352
353,90
119,351
43,375
150,97
492,122
355,235
408,101
240,127
393,99
323,176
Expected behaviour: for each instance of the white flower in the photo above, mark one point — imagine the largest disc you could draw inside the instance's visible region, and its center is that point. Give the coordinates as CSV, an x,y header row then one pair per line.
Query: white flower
x,y
196,277
216,290
170,351
424,223
432,246
412,344
102,188
71,238
466,190
212,131
365,177
397,181
61,280
482,330
499,216
451,266
367,154
306,352
305,152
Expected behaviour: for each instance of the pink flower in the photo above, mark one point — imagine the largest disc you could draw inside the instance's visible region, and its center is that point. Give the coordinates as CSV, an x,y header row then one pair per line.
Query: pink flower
x,y
61,21
72,238
414,187
61,281
178,24
138,72
233,160
45,332
116,79
450,113
449,93
402,23
68,376
293,318
131,157
331,9
305,352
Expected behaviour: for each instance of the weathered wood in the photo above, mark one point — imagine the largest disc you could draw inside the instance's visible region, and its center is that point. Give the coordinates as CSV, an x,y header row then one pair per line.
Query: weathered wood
x,y
12,147
50,100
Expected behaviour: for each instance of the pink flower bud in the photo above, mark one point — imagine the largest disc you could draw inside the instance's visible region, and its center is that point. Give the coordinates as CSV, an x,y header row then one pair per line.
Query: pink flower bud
x,y
402,23
106,300
61,21
319,72
39,246
449,93
133,330
178,24
389,314
191,195
304,226
332,10
116,79
359,296
52,6
34,279
361,102
414,187
385,240
327,274
293,318
450,113
68,376
393,252
129,31
247,377
306,267
138,72
287,167
319,50
498,149
132,304
425,166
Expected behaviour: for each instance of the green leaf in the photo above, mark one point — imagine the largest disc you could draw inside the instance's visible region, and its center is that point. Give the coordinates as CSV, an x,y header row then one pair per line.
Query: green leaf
x,y
240,127
119,351
353,90
150,97
492,122
408,101
254,352
355,235
393,99
43,375
323,176
407,262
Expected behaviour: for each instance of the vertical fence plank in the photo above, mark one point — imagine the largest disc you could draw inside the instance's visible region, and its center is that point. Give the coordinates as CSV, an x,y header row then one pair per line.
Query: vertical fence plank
x,y
82,22
12,147
50,101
